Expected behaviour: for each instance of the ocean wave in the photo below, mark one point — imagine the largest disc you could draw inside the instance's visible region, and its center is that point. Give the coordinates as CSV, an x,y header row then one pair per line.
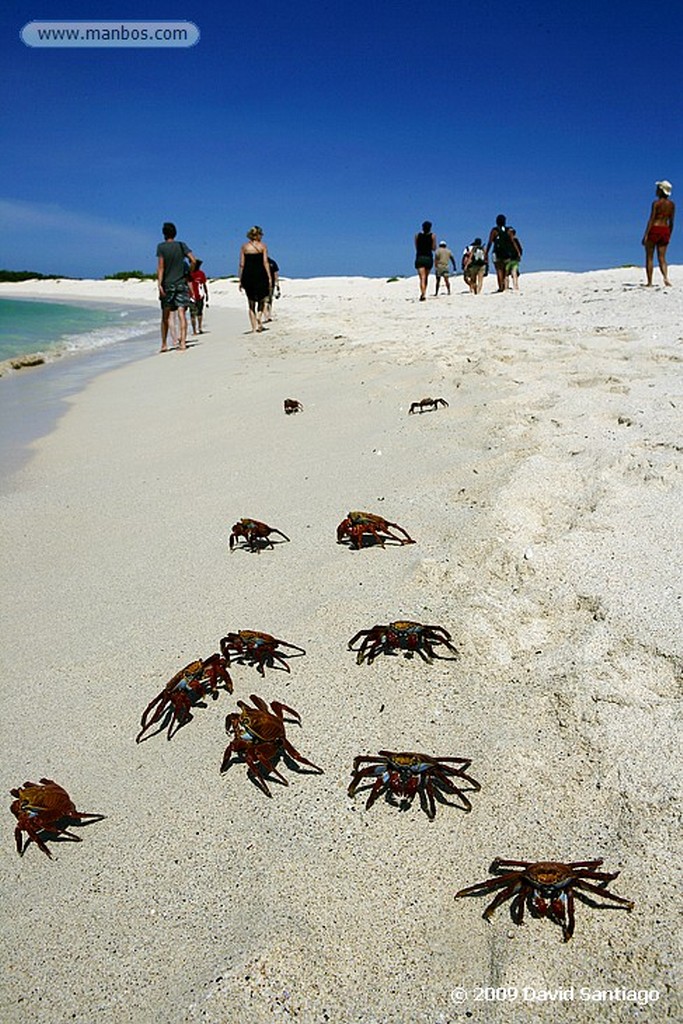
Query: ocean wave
x,y
82,342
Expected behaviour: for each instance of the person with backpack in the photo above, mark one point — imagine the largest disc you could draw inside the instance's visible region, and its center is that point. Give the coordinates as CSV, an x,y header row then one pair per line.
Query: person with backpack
x,y
512,264
503,249
474,265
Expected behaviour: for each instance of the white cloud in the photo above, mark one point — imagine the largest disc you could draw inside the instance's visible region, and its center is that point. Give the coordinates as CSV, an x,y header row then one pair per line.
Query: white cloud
x,y
18,214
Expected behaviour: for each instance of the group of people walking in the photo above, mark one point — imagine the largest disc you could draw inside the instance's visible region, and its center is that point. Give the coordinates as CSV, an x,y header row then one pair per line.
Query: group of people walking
x,y
507,250
507,253
183,285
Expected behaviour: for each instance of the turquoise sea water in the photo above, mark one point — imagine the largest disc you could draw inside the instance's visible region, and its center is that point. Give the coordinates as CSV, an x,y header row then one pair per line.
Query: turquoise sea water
x,y
78,343
55,329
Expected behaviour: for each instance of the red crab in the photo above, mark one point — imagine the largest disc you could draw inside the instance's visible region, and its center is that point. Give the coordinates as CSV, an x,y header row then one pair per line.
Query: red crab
x,y
293,405
359,525
44,809
427,405
256,534
259,739
403,775
173,706
409,637
247,647
547,889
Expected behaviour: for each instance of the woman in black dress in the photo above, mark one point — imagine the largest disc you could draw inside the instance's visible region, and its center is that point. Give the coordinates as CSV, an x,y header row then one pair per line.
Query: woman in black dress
x,y
425,244
254,275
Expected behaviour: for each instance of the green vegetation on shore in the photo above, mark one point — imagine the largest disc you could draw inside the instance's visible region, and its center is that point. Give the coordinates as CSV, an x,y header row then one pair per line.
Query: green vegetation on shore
x,y
125,275
32,275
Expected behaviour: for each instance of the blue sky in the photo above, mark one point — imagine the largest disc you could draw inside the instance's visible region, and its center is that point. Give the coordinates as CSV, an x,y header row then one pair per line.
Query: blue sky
x,y
340,128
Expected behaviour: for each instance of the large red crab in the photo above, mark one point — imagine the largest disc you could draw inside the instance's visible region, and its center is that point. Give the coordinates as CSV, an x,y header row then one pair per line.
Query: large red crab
x,y
402,775
547,889
256,534
258,737
248,647
44,809
173,706
427,405
409,637
359,525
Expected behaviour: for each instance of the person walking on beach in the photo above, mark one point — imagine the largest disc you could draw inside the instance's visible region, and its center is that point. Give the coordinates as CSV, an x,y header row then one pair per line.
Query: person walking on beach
x,y
199,296
442,259
255,277
474,264
274,290
173,291
658,231
512,264
425,245
503,250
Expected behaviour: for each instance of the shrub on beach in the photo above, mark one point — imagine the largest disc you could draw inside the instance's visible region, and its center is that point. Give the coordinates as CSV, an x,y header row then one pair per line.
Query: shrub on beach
x,y
125,275
28,275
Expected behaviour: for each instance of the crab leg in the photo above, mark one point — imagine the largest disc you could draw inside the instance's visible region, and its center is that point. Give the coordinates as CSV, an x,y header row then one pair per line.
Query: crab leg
x,y
517,905
359,774
427,801
281,534
600,891
266,763
502,897
509,880
408,538
32,836
287,746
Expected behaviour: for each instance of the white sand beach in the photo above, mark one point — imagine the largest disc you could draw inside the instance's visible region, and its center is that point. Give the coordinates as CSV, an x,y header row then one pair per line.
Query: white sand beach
x,y
545,501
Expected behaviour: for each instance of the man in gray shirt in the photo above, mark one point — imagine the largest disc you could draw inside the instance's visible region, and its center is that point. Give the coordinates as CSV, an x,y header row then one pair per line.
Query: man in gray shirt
x,y
174,293
442,258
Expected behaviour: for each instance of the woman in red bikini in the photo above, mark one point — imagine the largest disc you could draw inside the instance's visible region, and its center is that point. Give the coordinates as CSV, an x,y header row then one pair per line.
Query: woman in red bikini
x,y
658,231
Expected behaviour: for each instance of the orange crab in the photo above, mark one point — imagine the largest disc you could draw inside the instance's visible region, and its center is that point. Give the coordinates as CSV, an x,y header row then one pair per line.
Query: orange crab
x,y
255,534
547,889
409,637
402,775
427,405
258,737
359,525
43,810
293,405
248,647
173,706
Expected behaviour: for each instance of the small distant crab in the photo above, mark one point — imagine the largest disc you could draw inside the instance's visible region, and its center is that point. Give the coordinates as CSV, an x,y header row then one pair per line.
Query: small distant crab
x,y
547,889
427,405
255,534
402,775
258,737
293,405
43,810
173,706
247,647
359,525
409,637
